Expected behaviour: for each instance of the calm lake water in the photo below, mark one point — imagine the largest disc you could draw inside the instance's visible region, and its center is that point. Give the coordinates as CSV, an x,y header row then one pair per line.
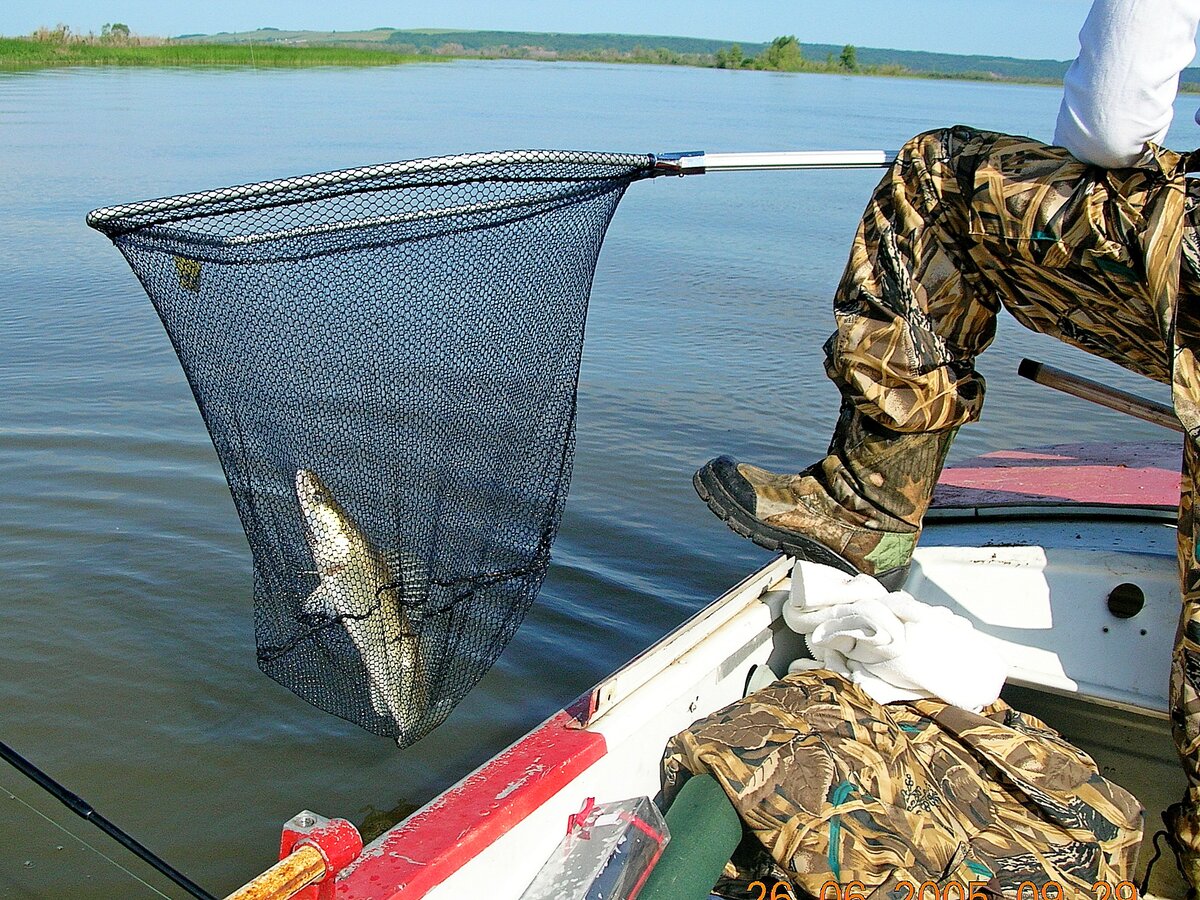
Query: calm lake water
x,y
126,634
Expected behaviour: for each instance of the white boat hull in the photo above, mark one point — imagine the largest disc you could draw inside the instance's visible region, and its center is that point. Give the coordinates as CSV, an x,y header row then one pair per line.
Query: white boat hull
x,y
1036,576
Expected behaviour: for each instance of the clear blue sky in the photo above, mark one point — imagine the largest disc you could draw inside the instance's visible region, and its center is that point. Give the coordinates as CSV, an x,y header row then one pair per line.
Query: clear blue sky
x,y
1025,28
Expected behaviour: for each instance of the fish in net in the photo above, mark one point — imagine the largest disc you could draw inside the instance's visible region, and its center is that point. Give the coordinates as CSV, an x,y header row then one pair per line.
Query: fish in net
x,y
386,359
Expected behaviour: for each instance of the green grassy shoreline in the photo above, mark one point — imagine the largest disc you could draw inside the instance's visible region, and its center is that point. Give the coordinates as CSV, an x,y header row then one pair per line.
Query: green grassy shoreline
x,y
19,54
23,54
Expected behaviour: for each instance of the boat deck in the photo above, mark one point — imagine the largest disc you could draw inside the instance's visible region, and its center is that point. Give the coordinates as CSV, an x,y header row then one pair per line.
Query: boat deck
x,y
1132,488
1114,476
1028,544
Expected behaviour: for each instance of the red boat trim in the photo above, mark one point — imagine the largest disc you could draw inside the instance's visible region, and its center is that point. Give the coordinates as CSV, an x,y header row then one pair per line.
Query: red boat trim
x,y
438,840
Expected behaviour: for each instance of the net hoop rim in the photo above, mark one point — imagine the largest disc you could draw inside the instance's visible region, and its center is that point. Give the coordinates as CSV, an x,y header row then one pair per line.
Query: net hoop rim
x,y
109,219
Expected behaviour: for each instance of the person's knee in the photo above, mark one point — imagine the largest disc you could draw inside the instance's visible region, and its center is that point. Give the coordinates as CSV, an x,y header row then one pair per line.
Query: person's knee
x,y
930,165
936,139
948,144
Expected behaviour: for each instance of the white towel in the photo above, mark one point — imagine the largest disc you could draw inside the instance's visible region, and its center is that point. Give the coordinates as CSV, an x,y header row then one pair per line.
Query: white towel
x,y
866,631
891,645
817,589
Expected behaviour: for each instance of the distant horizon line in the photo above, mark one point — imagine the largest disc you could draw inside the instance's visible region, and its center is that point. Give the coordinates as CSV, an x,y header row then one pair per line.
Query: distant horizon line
x,y
723,41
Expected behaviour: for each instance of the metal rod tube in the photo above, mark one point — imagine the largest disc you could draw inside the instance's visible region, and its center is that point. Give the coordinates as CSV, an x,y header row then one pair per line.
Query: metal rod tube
x,y
702,163
84,810
286,878
1102,394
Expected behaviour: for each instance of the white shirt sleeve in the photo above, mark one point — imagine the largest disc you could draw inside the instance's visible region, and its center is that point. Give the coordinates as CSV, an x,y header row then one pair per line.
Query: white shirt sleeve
x,y
1118,94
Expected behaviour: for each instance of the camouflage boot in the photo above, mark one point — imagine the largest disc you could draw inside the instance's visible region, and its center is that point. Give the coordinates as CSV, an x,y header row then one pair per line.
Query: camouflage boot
x,y
1183,835
859,509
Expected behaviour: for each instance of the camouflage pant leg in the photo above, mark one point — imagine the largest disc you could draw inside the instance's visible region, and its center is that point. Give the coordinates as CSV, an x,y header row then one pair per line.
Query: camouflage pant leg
x,y
1185,660
1185,663
966,222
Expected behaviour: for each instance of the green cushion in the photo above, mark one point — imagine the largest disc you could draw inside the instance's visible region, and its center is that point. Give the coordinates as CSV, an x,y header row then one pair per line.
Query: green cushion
x,y
705,829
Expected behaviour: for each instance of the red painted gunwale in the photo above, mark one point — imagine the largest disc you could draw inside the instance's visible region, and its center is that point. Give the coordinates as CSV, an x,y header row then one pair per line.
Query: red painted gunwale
x,y
440,838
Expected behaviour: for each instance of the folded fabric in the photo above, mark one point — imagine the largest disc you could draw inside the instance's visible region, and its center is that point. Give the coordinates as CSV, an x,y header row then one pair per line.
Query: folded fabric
x,y
817,589
838,787
890,644
866,632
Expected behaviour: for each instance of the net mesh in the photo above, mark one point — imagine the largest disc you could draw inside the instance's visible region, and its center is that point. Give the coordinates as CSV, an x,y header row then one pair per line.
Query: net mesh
x,y
386,359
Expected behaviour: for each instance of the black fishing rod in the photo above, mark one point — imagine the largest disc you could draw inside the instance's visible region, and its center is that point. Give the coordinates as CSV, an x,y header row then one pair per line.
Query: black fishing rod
x,y
84,810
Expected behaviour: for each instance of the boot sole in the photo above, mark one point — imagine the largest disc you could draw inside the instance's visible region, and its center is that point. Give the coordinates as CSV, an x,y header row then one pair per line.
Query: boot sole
x,y
743,522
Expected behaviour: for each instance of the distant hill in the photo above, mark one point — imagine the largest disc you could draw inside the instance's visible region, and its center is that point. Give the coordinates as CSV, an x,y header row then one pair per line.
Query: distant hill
x,y
913,60
694,51
565,43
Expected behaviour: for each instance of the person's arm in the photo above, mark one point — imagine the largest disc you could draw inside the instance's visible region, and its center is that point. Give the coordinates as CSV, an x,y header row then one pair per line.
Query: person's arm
x,y
1118,94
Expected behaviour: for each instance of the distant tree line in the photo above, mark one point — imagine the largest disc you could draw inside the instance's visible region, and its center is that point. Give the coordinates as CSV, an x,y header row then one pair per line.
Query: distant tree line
x,y
784,54
112,34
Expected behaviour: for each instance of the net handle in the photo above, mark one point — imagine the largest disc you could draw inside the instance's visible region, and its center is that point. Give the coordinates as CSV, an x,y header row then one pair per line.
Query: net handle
x,y
700,163
110,218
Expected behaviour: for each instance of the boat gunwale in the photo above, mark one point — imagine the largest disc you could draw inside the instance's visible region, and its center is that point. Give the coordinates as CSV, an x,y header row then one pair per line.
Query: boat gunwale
x,y
572,736
498,795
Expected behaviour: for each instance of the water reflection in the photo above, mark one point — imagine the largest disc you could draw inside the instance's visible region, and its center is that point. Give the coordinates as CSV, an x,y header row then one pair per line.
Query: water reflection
x,y
128,656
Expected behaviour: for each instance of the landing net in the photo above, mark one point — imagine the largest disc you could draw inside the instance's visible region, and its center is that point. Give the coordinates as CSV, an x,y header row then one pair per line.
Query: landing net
x,y
386,359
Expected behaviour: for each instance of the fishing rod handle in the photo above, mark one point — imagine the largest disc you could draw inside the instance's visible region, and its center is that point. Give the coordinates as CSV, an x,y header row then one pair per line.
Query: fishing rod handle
x,y
1102,394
